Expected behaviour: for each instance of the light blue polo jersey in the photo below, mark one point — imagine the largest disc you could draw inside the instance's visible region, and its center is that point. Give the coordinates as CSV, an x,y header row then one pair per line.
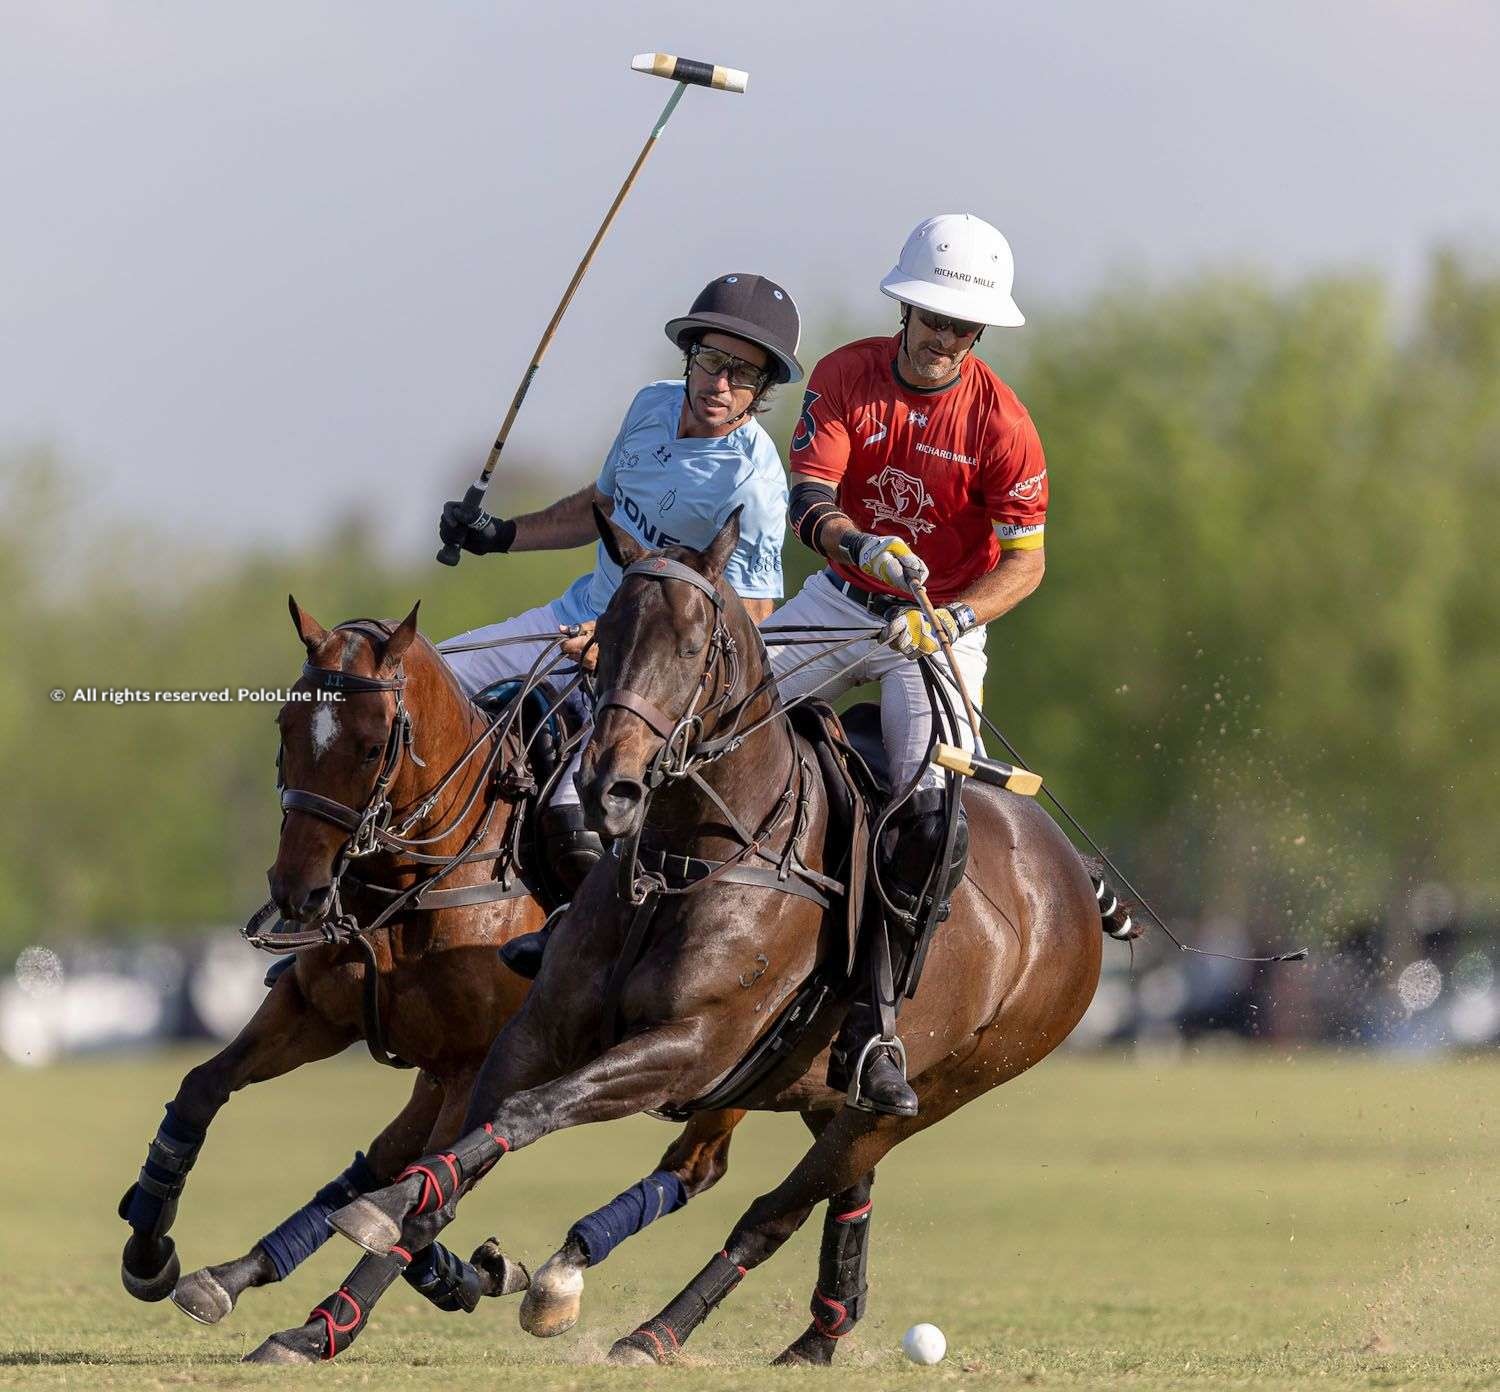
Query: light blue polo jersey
x,y
670,490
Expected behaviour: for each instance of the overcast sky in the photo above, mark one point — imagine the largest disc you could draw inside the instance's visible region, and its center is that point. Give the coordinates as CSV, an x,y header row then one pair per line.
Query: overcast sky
x,y
260,263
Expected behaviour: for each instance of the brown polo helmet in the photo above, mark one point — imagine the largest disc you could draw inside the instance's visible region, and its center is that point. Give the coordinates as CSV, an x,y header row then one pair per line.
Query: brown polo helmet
x,y
749,307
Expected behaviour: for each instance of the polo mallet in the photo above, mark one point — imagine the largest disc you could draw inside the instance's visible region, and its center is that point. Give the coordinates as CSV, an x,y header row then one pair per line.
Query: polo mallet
x,y
960,761
685,72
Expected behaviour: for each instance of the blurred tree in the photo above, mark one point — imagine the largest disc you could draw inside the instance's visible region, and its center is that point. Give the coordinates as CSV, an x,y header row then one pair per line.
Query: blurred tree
x,y
1262,666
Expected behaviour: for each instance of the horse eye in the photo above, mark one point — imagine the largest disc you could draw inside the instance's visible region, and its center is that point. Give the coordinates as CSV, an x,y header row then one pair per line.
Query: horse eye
x,y
372,753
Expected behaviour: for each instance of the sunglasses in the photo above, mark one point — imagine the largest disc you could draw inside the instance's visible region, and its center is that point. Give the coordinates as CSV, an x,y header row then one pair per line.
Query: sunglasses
x,y
713,361
960,328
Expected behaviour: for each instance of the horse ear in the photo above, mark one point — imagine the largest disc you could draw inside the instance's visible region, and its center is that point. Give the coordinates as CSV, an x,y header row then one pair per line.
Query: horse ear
x,y
623,548
397,644
721,548
309,630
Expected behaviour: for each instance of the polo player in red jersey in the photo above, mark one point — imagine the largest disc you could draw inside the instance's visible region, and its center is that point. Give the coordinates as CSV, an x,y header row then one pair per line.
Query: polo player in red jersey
x,y
913,464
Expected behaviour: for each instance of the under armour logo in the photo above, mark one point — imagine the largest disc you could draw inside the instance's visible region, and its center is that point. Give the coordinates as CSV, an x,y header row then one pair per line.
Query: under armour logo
x,y
662,453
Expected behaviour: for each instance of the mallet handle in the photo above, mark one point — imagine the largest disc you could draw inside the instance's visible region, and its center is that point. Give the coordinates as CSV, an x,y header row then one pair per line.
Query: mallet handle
x,y
474,497
925,604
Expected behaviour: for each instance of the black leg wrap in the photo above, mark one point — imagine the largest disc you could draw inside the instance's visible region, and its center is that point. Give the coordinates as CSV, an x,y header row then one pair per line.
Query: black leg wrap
x,y
346,1312
838,1300
150,1204
663,1336
444,1278
444,1174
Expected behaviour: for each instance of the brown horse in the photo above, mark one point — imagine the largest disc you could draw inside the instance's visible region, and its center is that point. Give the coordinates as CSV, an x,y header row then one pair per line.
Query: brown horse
x,y
443,992
686,750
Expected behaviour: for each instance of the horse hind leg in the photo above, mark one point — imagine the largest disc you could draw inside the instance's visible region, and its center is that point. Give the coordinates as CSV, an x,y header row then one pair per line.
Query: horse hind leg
x,y
838,1299
694,1162
846,1151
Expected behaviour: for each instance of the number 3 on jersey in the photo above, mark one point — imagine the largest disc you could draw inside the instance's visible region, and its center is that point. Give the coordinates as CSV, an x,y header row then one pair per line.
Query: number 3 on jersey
x,y
807,427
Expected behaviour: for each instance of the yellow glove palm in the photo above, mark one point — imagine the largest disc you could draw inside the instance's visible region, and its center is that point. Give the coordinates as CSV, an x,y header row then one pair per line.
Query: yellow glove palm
x,y
909,632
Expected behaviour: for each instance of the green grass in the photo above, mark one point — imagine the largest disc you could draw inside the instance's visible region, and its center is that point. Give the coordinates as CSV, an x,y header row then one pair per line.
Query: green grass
x,y
1266,1220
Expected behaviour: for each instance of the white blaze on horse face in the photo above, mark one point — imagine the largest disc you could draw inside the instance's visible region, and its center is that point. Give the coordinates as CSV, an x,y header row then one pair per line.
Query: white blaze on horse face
x,y
325,725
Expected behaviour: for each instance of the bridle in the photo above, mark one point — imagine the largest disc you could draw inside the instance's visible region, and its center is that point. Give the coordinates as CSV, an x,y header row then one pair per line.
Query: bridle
x,y
683,752
364,824
369,826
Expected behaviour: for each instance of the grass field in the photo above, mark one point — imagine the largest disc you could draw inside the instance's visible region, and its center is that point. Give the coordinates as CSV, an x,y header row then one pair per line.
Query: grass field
x,y
1267,1220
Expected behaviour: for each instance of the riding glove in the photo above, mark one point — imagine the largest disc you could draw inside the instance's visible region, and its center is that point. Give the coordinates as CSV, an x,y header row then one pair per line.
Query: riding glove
x,y
909,632
887,559
478,533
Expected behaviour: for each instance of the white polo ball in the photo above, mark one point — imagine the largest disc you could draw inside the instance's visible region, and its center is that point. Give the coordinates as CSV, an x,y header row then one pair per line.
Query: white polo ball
x,y
924,1343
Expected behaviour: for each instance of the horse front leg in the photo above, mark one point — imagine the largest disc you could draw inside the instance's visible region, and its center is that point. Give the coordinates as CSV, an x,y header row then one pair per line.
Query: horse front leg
x,y
283,1034
640,1073
438,1275
209,1294
694,1162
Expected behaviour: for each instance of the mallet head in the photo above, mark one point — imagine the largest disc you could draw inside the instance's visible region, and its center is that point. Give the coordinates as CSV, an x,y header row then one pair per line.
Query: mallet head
x,y
690,70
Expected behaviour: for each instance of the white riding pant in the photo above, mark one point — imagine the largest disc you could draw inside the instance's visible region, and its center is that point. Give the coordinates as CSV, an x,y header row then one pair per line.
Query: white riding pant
x,y
485,666
906,714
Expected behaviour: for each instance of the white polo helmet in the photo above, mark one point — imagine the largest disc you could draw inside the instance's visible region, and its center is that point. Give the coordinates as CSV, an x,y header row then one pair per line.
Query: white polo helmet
x,y
957,265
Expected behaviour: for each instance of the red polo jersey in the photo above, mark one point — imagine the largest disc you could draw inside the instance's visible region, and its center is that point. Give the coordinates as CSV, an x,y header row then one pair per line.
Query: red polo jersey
x,y
943,470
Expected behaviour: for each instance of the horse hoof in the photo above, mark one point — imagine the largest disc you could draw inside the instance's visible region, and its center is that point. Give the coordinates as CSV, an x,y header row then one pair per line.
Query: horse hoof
x,y
279,1348
554,1299
155,1287
498,1274
642,1349
366,1225
812,1350
202,1298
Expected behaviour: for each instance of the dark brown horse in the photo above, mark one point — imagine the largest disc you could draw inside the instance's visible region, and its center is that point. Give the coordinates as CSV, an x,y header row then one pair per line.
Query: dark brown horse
x,y
1008,977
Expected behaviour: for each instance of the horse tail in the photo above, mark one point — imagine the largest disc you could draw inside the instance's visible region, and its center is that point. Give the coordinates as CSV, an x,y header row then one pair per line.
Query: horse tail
x,y
1114,912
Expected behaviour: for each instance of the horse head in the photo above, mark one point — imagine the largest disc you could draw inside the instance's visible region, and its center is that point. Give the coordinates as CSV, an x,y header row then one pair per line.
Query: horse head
x,y
674,644
346,742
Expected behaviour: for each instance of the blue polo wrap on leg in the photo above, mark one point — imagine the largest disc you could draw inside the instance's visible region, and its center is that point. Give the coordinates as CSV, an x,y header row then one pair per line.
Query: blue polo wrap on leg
x,y
291,1243
626,1214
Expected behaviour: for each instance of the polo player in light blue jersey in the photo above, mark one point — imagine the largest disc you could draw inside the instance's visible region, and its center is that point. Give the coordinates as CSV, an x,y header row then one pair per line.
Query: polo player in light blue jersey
x,y
687,454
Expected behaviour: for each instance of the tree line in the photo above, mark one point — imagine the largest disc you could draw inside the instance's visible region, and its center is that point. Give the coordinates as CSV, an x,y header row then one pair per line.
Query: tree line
x,y
1262,668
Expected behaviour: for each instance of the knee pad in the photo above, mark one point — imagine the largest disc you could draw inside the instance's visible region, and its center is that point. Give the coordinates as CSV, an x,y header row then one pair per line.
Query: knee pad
x,y
572,850
913,840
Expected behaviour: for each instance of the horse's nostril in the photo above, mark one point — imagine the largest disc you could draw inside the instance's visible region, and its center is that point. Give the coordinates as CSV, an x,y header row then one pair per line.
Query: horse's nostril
x,y
625,791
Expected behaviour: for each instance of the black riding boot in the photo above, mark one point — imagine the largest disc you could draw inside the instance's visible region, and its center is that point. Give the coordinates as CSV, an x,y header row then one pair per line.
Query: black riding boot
x,y
907,851
572,850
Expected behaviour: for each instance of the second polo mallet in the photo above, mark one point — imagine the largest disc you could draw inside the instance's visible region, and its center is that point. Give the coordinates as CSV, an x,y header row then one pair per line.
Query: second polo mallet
x,y
685,72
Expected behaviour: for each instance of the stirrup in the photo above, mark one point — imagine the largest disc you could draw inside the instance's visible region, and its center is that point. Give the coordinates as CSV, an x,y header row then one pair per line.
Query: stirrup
x,y
855,1095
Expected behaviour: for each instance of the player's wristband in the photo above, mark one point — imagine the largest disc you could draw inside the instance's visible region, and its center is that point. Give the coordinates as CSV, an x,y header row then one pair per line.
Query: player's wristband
x,y
851,543
964,616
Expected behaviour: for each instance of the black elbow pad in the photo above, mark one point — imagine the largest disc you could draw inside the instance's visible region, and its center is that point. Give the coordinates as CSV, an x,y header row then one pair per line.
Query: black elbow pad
x,y
810,505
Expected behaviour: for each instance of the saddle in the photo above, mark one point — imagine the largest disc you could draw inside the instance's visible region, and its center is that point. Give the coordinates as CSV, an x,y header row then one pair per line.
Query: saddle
x,y
851,762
